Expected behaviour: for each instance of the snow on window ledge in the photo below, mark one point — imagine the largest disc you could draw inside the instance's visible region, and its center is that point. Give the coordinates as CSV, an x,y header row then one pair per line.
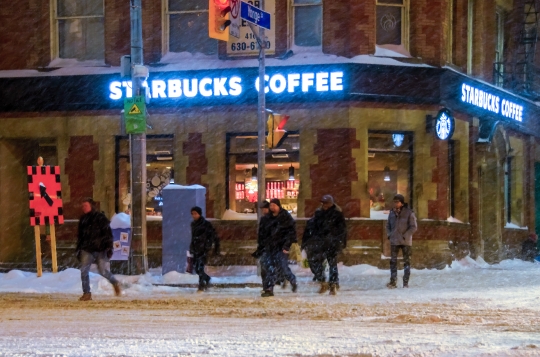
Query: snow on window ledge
x,y
73,62
514,226
391,51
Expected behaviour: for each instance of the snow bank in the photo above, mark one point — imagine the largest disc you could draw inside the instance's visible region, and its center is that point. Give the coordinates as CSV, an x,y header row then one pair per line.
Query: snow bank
x,y
235,216
121,220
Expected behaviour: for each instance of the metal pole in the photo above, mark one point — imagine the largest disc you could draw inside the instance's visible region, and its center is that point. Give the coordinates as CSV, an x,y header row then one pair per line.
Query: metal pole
x,y
139,259
261,121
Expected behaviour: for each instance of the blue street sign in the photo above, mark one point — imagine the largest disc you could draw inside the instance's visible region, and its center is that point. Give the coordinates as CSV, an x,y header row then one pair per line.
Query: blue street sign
x,y
255,15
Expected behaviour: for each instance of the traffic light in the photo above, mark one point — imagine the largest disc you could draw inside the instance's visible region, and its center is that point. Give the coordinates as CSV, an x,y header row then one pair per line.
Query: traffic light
x,y
218,19
276,134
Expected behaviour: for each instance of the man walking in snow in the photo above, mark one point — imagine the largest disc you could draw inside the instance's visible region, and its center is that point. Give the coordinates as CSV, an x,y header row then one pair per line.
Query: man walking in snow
x,y
275,243
94,244
400,227
325,238
203,236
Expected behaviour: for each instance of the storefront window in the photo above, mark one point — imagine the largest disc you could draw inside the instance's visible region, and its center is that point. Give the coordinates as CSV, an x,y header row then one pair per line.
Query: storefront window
x,y
389,170
282,173
390,22
188,27
159,173
80,29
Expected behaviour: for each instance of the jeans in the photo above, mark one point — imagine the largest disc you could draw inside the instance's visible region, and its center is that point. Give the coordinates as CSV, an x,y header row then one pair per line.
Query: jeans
x,y
286,272
275,267
407,251
199,261
316,259
101,260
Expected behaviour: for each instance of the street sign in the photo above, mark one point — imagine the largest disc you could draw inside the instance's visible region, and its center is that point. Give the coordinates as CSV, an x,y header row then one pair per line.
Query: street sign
x,y
135,114
236,20
254,15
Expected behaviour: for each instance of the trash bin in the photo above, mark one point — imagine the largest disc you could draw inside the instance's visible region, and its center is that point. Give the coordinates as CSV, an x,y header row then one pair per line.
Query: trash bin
x,y
121,229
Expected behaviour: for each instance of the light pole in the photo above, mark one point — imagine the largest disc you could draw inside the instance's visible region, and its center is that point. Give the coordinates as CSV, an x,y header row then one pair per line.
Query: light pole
x,y
137,144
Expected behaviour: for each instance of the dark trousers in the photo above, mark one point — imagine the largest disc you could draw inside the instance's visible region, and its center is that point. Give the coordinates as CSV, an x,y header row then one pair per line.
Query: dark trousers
x,y
199,261
316,259
274,266
406,251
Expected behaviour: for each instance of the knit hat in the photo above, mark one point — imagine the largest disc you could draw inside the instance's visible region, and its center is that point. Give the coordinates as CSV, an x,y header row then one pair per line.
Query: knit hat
x,y
265,204
327,199
275,201
399,198
197,209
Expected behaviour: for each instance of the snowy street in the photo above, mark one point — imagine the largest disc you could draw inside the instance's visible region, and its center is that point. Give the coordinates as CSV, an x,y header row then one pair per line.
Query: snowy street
x,y
471,309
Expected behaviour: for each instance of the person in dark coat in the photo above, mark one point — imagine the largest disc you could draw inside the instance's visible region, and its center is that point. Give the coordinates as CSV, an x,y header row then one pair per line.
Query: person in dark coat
x,y
400,227
529,249
203,236
94,245
324,238
275,244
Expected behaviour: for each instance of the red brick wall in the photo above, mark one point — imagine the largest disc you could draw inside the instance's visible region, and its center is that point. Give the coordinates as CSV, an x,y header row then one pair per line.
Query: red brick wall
x,y
79,167
427,36
335,170
438,209
117,31
459,34
195,150
474,193
24,34
349,27
152,31
484,30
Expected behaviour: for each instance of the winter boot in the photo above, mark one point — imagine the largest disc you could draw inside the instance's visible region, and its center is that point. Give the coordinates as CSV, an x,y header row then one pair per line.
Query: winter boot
x,y
324,288
117,290
405,284
86,297
267,293
207,283
391,285
294,286
333,289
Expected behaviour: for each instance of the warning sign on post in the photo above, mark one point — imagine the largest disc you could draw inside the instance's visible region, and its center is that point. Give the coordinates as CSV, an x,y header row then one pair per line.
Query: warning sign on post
x,y
135,114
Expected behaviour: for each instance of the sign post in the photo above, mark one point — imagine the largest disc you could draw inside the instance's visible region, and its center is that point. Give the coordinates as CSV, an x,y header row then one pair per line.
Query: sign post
x,y
135,114
260,18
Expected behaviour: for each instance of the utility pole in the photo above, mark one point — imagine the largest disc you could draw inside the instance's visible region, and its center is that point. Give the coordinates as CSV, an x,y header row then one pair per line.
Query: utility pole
x,y
137,145
261,117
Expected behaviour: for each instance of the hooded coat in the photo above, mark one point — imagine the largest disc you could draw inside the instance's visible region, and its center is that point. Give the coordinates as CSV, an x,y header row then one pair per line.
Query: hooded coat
x,y
203,236
326,229
278,234
400,227
94,233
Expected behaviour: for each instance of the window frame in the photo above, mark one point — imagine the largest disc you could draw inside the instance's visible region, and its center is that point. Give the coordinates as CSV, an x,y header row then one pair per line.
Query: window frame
x,y
405,21
293,7
55,33
166,23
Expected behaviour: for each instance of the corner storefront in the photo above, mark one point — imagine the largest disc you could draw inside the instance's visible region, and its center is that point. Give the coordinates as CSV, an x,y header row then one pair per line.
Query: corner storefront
x,y
359,132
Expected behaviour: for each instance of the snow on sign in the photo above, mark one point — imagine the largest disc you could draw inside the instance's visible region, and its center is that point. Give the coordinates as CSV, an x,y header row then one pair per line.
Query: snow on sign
x,y
254,15
45,195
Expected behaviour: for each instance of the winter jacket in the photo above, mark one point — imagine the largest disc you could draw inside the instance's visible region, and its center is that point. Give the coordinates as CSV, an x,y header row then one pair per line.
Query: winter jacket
x,y
528,250
327,230
94,233
400,227
203,236
280,233
264,231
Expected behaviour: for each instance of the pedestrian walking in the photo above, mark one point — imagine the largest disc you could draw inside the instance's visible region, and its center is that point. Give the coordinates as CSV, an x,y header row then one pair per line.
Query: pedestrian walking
x,y
94,245
400,227
203,236
263,231
275,244
529,250
324,238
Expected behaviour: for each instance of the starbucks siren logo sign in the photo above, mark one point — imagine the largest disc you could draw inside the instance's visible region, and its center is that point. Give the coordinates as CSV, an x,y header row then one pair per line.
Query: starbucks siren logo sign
x,y
444,125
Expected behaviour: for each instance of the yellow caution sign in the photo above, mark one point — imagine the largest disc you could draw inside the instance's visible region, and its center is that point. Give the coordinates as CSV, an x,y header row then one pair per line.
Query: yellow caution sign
x,y
134,110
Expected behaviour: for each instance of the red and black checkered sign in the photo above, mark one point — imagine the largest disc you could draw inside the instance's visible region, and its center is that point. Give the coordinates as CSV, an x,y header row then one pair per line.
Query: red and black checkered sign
x,y
45,195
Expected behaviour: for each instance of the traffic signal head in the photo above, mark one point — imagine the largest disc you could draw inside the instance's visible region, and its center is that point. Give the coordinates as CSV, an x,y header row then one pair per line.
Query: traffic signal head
x,y
218,19
276,135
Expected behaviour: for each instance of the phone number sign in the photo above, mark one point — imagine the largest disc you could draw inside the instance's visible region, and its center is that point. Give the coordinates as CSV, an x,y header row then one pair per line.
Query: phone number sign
x,y
246,44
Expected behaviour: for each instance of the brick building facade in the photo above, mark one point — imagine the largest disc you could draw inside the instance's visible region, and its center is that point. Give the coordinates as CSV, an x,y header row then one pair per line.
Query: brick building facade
x,y
476,190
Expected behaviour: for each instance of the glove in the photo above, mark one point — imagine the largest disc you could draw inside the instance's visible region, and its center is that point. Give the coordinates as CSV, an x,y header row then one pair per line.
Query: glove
x,y
109,253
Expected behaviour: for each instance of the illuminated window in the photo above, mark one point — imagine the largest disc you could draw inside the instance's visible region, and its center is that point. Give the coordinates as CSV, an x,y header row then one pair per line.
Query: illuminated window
x,y
186,24
79,30
392,22
389,170
307,15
